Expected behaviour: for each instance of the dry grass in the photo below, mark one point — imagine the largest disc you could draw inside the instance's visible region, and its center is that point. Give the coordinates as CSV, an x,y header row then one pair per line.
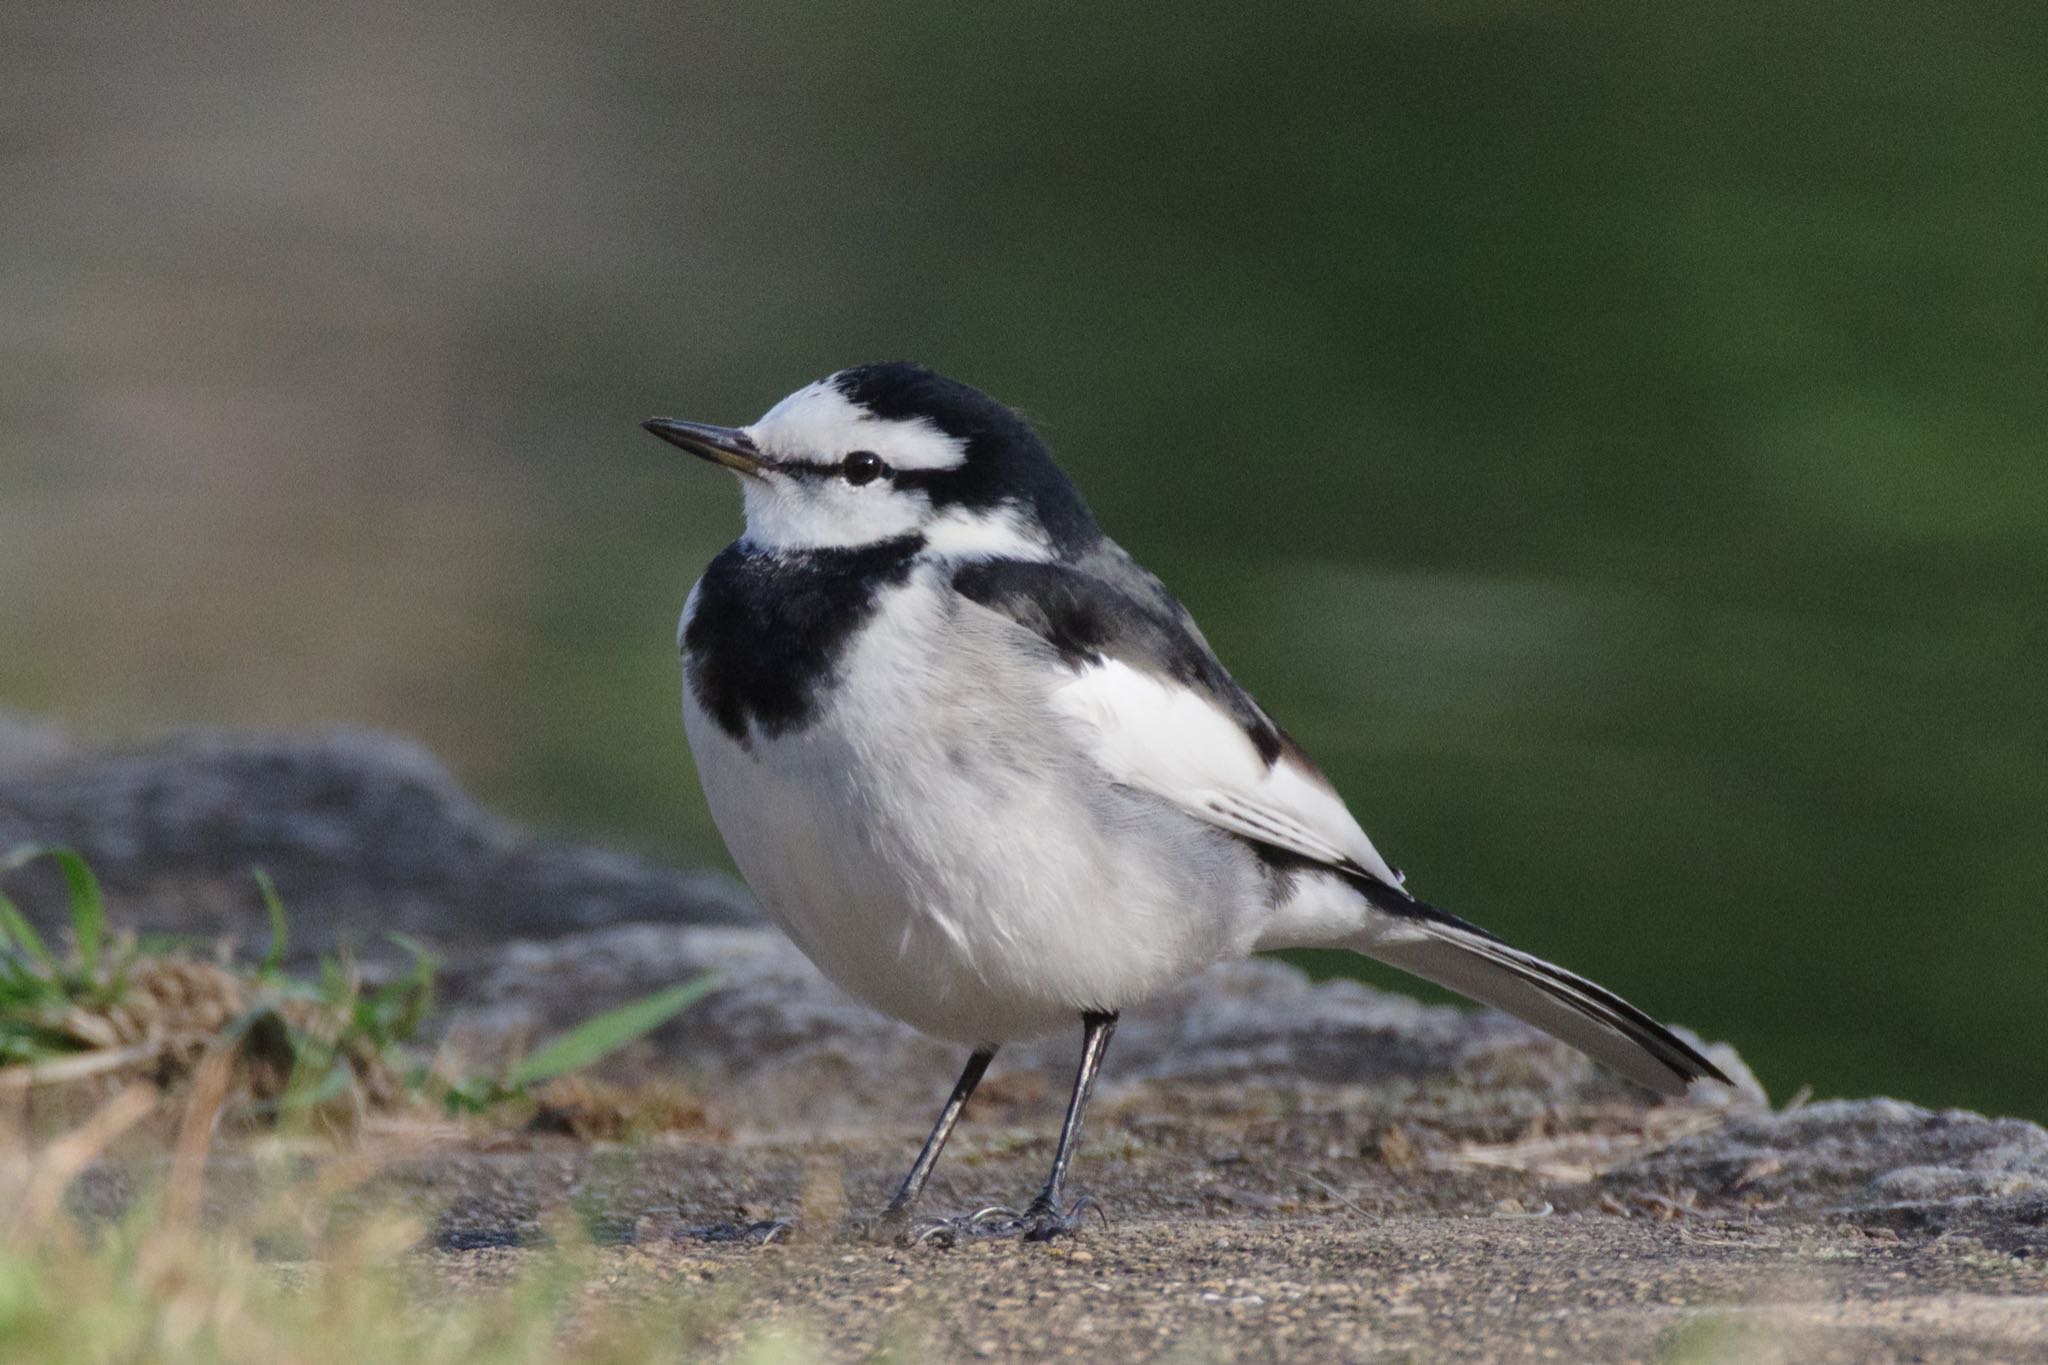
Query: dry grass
x,y
159,1284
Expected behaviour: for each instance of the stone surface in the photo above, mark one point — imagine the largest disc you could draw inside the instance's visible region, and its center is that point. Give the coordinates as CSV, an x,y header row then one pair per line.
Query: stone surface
x,y
1877,1163
1483,1288
29,745
364,834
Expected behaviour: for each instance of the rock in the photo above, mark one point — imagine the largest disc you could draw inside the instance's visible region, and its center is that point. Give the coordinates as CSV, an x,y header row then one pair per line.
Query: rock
x,y
1871,1162
28,745
364,834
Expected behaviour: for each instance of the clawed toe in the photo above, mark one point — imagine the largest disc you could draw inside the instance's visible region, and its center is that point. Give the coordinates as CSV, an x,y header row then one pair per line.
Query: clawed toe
x,y
1040,1222
997,1213
940,1232
760,1233
895,1225
949,1232
1043,1222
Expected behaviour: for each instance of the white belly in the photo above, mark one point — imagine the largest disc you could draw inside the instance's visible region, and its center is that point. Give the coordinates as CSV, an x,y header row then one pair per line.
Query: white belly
x,y
935,844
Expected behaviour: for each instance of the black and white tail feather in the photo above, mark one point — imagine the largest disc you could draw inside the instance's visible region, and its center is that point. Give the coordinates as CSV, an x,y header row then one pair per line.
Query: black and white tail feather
x,y
1467,959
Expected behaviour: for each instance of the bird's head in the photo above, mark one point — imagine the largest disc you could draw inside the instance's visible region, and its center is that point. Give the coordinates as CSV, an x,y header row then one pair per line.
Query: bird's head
x,y
884,451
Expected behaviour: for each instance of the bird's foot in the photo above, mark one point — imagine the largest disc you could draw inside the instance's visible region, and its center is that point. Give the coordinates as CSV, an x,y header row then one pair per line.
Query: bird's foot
x,y
893,1225
1041,1221
1044,1222
896,1225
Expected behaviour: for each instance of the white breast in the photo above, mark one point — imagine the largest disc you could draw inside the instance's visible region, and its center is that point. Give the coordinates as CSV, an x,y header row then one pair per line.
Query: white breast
x,y
938,844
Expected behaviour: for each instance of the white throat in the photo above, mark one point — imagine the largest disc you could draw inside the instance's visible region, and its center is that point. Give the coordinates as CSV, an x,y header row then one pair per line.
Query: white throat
x,y
819,514
787,516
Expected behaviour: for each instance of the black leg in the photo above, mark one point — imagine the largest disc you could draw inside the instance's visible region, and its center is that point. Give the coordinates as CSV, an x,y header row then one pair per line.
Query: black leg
x,y
921,1170
1045,1219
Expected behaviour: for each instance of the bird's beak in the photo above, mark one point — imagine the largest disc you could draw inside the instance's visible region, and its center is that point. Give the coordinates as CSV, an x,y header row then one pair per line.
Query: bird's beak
x,y
728,446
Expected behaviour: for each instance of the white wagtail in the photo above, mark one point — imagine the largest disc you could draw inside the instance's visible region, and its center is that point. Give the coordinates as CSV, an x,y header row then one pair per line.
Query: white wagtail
x,y
985,771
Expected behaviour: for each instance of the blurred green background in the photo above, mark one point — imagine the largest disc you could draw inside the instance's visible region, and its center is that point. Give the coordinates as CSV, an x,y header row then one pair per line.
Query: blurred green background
x,y
1611,438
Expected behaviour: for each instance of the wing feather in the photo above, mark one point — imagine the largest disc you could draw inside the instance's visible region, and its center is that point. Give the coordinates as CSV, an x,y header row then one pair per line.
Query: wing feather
x,y
1161,712
1162,737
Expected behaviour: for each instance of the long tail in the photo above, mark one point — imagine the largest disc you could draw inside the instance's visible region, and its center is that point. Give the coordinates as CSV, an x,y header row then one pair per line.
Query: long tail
x,y
1465,958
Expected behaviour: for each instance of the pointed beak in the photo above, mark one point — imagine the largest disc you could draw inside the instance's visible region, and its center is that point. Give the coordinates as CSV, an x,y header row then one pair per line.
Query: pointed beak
x,y
728,446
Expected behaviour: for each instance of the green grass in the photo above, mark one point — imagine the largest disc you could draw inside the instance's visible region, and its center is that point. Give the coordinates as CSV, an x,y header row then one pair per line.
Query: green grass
x,y
585,1045
41,993
331,1042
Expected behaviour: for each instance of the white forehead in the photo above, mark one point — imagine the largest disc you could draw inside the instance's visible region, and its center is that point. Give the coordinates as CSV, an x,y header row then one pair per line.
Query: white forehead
x,y
818,422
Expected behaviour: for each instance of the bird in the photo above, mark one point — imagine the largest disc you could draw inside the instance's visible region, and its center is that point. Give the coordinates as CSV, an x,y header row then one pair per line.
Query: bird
x,y
986,772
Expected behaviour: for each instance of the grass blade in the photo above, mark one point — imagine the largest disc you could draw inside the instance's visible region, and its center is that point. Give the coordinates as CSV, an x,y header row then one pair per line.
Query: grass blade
x,y
14,926
88,906
273,959
599,1037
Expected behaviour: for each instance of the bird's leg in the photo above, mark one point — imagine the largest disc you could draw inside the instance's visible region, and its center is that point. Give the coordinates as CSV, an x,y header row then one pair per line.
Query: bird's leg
x,y
897,1214
1045,1219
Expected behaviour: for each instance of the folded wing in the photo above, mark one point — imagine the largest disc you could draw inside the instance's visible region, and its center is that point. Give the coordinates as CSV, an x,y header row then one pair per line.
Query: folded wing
x,y
1166,718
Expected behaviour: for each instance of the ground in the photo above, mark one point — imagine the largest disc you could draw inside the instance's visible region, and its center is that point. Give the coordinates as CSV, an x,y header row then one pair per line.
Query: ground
x,y
1248,1286
1293,1222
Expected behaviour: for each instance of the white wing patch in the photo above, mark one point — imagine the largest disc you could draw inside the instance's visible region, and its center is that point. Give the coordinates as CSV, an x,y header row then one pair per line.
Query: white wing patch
x,y
1159,737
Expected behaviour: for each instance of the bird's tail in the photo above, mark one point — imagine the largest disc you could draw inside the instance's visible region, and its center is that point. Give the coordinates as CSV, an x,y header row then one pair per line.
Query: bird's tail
x,y
1465,958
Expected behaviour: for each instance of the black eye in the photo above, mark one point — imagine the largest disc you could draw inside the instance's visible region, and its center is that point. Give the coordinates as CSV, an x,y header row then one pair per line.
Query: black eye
x,y
863,466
